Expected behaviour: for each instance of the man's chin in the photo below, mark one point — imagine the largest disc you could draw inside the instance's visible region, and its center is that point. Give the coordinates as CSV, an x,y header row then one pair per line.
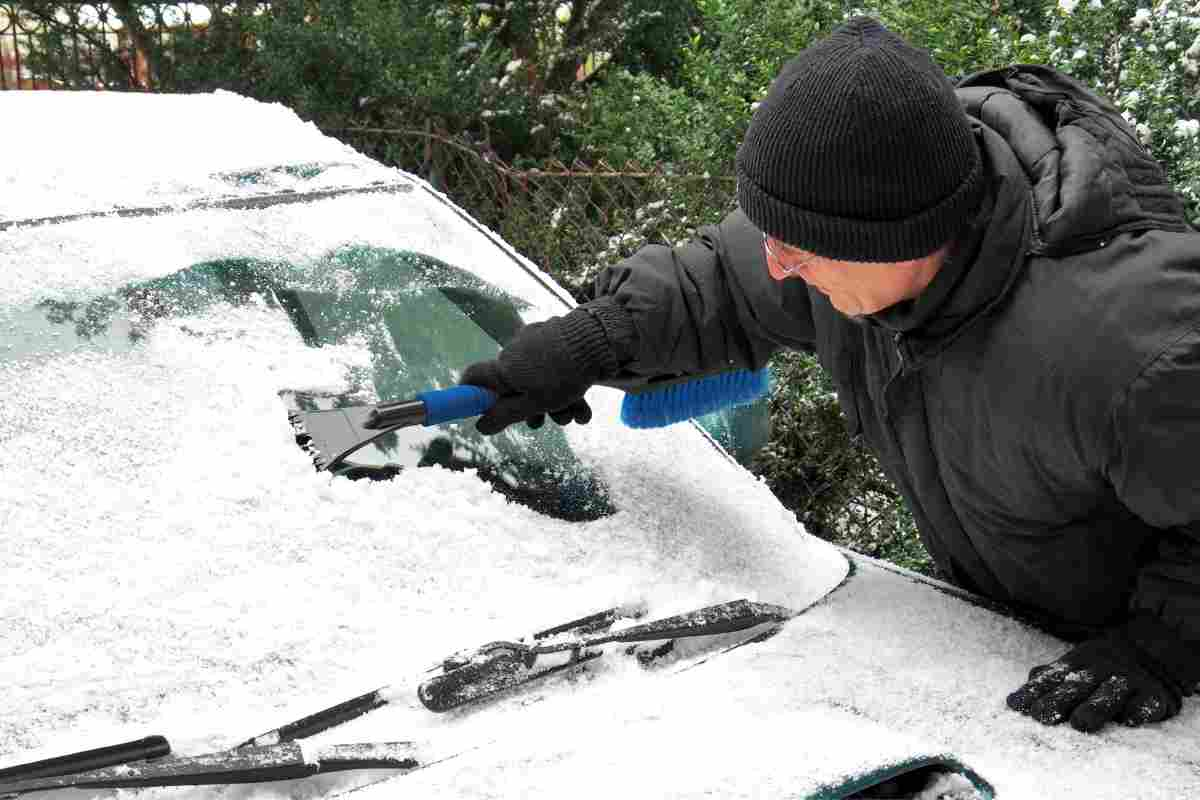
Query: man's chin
x,y
858,316
852,312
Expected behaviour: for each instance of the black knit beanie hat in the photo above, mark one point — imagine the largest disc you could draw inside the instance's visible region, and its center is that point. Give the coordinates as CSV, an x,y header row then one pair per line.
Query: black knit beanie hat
x,y
861,151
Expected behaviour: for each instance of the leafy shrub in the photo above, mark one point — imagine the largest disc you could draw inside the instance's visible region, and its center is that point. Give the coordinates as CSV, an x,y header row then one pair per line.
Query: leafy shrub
x,y
632,117
833,484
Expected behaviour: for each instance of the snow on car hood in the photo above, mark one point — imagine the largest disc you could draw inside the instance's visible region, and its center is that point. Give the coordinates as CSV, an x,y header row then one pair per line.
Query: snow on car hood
x,y
172,562
884,669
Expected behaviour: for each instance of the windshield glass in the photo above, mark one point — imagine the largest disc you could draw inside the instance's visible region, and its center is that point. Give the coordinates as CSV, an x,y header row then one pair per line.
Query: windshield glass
x,y
415,322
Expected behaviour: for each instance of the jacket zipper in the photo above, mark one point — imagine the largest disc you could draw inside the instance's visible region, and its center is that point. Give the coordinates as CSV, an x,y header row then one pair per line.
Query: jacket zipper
x,y
901,367
1036,234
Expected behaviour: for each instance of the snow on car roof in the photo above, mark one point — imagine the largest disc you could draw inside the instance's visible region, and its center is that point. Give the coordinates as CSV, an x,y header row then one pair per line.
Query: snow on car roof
x,y
156,150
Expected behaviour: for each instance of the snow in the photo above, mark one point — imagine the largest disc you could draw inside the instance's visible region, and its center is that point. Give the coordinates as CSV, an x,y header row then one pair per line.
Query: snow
x,y
872,674
172,564
157,150
1187,128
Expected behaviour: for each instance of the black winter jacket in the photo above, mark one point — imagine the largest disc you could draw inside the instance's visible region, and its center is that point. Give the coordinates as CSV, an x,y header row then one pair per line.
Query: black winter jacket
x,y
1039,404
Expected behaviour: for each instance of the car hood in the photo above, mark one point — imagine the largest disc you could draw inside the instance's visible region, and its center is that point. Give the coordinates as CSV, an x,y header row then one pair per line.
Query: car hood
x,y
890,672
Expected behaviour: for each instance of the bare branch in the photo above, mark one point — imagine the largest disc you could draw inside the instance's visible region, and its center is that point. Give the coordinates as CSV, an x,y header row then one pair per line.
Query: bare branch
x,y
143,42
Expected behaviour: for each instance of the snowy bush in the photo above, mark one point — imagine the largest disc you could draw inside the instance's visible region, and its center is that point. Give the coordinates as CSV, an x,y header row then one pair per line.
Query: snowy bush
x,y
1143,55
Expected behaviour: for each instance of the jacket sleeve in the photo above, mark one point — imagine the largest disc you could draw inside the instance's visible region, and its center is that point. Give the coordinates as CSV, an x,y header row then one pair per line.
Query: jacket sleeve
x,y
1157,442
707,304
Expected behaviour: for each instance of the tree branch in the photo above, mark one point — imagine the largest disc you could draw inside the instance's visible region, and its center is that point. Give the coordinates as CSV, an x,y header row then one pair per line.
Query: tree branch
x,y
143,42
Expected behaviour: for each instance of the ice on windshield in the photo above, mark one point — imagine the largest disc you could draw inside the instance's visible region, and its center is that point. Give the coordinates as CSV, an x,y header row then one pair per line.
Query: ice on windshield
x,y
169,549
129,382
419,319
209,565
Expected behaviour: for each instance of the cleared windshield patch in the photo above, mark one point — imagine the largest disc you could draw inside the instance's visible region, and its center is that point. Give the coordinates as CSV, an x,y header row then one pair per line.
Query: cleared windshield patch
x,y
423,321
415,322
534,468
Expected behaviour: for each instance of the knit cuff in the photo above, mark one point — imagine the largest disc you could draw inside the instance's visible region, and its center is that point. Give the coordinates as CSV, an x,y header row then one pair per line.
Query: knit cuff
x,y
587,346
1178,658
618,327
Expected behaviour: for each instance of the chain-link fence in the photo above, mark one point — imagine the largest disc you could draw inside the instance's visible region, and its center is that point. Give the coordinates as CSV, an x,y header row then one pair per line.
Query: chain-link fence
x,y
569,219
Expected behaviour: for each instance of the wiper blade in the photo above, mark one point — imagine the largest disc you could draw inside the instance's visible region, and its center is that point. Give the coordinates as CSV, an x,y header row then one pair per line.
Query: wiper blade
x,y
286,761
86,760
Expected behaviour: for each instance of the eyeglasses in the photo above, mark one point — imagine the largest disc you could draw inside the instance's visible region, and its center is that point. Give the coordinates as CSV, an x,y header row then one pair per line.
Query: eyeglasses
x,y
784,266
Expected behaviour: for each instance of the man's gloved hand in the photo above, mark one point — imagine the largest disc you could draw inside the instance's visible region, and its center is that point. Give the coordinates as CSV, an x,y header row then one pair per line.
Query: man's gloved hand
x,y
546,369
1136,674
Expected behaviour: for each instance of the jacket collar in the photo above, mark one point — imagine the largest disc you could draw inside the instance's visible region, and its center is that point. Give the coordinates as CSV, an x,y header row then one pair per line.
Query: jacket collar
x,y
983,264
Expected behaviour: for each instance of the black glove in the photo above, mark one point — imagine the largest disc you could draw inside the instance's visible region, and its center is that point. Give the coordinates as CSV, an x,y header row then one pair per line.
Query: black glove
x,y
1136,674
546,369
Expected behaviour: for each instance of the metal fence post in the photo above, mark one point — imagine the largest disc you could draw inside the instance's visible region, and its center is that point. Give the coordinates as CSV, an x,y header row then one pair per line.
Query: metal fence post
x,y
87,46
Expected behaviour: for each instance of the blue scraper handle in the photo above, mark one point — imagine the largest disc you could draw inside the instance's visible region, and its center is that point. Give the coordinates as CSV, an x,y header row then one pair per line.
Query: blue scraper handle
x,y
458,402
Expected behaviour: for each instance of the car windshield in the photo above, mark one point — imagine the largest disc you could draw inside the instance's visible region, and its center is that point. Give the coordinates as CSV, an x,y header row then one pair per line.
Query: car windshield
x,y
414,322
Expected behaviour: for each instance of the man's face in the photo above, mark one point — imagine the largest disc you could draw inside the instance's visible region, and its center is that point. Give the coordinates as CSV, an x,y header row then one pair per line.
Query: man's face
x,y
854,288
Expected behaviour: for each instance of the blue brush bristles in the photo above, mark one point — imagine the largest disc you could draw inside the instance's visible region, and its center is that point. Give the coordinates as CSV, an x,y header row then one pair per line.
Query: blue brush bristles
x,y
657,408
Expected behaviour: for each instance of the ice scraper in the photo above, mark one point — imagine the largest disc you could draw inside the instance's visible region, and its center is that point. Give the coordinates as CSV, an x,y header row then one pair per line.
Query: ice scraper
x,y
332,435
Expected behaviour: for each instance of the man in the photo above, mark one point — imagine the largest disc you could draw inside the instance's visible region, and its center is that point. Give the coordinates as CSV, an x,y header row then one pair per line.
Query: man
x,y
1008,301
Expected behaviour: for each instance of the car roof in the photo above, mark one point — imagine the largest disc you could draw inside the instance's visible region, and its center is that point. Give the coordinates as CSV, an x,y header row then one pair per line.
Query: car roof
x,y
160,150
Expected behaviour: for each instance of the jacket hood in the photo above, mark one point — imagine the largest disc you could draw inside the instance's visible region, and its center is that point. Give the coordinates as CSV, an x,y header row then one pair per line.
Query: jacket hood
x,y
1091,177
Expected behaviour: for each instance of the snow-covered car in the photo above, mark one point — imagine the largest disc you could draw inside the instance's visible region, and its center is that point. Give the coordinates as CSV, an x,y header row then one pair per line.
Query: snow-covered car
x,y
173,564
